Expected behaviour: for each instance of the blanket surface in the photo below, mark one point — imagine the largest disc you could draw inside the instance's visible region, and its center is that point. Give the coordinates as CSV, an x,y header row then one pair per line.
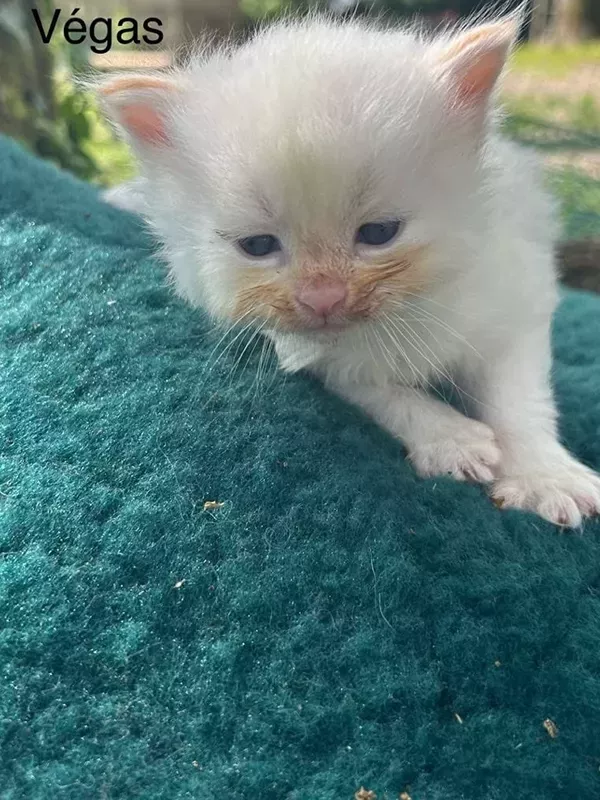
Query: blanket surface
x,y
217,587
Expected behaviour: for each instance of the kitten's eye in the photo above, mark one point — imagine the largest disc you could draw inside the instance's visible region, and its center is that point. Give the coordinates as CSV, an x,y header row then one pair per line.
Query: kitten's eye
x,y
378,233
259,246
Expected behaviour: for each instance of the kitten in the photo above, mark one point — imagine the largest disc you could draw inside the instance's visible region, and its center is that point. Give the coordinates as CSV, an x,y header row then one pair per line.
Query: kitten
x,y
344,188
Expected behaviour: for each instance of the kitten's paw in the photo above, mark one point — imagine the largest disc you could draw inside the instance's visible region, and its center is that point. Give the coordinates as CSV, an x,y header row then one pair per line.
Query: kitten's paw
x,y
468,453
562,493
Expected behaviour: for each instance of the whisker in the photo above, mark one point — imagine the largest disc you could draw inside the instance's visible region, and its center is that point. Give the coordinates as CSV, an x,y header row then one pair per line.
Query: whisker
x,y
416,372
437,370
419,339
462,393
255,385
365,331
226,333
424,298
407,305
277,371
260,369
211,361
387,354
251,343
446,374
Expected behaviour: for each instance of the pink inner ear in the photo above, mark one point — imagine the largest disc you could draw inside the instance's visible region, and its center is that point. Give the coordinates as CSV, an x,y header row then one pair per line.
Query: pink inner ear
x,y
145,123
479,79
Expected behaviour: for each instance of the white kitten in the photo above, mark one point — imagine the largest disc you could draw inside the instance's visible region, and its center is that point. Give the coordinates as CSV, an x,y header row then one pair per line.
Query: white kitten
x,y
344,188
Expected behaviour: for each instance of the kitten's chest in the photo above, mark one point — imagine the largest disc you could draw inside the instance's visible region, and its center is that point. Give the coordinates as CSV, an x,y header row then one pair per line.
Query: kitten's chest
x,y
398,352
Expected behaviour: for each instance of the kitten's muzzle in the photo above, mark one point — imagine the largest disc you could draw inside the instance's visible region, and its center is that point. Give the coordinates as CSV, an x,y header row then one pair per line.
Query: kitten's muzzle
x,y
321,299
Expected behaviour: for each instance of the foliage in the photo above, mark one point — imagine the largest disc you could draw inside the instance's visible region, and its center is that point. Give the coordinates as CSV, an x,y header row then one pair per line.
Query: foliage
x,y
556,121
43,108
61,139
95,153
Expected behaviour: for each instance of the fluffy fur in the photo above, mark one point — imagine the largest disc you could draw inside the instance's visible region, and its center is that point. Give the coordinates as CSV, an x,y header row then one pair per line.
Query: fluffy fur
x,y
314,128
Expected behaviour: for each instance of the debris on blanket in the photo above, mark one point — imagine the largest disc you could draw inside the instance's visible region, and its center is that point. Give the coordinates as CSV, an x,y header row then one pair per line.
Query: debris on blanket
x,y
212,505
551,727
365,794
368,794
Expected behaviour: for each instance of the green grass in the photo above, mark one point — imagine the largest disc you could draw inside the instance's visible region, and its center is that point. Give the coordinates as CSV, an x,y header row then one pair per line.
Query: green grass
x,y
553,60
106,159
554,123
579,197
580,114
569,126
558,124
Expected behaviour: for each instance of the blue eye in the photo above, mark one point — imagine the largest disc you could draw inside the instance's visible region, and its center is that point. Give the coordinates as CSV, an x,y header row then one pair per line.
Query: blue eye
x,y
259,246
378,233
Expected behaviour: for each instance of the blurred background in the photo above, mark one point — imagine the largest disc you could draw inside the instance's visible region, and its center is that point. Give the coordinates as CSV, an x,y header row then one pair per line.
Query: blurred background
x,y
552,92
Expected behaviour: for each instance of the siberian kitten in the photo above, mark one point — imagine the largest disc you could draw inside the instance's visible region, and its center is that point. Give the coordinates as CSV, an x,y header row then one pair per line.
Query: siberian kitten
x,y
344,189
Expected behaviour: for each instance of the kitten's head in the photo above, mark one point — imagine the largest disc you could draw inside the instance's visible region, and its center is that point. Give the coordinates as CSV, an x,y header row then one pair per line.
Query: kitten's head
x,y
312,177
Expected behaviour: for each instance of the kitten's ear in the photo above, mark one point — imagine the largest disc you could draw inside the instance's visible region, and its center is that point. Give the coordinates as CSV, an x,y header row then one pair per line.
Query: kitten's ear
x,y
139,104
472,61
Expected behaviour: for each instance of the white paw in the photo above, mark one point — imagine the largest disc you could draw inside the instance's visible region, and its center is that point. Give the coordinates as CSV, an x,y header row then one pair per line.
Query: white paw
x,y
467,452
563,492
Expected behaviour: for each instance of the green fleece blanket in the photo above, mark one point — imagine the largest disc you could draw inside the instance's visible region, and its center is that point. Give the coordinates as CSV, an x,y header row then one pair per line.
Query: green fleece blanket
x,y
213,588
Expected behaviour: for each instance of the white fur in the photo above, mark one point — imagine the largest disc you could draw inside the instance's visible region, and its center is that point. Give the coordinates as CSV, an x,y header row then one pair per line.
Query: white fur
x,y
128,196
313,128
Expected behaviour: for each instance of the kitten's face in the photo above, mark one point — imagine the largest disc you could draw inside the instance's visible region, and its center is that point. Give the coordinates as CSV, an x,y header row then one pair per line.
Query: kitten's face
x,y
310,249
310,177
313,247
323,288
318,209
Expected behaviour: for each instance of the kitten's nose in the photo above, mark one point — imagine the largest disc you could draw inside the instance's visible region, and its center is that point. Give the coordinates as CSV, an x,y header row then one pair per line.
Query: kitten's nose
x,y
323,298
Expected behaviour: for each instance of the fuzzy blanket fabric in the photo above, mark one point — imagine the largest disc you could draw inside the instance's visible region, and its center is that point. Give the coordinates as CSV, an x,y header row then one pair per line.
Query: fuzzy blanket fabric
x,y
211,587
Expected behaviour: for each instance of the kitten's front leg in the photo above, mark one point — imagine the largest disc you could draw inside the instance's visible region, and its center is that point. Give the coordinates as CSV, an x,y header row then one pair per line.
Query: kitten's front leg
x,y
537,473
440,440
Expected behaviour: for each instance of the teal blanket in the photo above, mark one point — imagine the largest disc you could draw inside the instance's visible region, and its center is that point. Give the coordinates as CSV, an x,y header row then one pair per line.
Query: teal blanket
x,y
213,589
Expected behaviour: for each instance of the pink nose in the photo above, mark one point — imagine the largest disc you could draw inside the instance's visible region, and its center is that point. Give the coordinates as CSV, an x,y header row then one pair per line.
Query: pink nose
x,y
323,298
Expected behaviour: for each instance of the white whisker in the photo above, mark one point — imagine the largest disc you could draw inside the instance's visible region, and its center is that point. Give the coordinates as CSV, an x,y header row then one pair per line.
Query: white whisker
x,y
416,338
423,298
387,354
462,393
439,371
416,372
212,361
407,305
251,343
